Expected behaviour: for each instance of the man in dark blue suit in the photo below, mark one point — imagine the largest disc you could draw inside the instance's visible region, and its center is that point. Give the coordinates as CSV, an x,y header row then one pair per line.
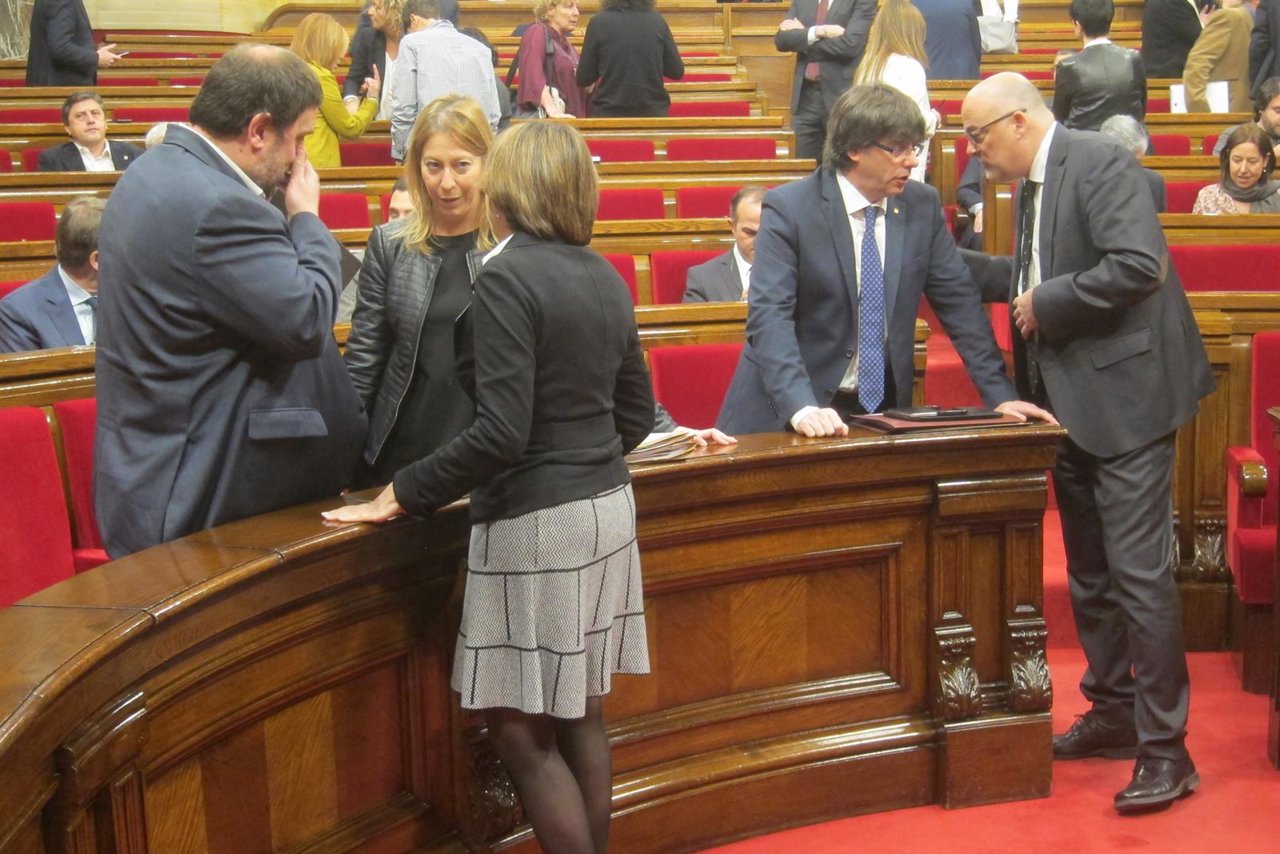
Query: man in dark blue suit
x,y
221,392
58,309
951,38
84,116
830,326
61,52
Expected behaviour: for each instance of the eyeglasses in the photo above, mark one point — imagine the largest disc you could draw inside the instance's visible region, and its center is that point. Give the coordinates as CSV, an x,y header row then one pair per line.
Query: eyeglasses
x,y
900,152
979,134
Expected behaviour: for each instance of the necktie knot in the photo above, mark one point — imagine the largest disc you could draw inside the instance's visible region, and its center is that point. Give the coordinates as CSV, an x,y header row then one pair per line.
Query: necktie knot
x,y
869,214
93,303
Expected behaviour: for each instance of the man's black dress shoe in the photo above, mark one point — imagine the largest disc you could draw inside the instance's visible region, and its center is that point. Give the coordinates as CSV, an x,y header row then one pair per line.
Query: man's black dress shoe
x,y
1158,783
1091,736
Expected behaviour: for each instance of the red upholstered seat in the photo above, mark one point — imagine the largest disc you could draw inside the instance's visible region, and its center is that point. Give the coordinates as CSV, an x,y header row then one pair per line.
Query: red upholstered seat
x,y
33,510
150,114
621,150
105,80
1170,144
27,221
691,380
710,108
693,202
629,203
722,148
669,269
12,82
31,115
7,288
344,210
6,162
365,153
1038,75
31,159
186,81
76,422
1181,195
1157,105
626,267
701,78
1210,141
1239,267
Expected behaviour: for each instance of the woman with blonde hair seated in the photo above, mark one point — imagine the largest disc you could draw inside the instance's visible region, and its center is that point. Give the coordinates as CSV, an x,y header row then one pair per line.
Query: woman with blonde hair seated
x,y
321,41
1247,161
895,56
553,604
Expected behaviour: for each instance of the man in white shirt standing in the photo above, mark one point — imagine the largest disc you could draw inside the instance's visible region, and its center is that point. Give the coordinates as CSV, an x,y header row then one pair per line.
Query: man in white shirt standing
x,y
435,60
85,118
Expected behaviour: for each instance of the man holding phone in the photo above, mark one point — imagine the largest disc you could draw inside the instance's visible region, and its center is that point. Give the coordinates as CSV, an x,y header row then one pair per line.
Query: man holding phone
x,y
61,52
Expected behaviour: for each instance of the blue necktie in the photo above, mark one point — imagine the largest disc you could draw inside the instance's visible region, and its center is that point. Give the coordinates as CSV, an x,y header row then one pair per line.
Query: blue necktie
x,y
93,318
871,318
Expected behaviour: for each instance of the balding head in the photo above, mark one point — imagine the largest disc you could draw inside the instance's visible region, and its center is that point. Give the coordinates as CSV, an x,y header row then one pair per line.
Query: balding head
x,y
1005,119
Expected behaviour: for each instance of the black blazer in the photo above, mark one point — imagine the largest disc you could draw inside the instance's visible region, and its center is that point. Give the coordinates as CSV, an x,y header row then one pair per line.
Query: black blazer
x,y
836,58
560,386
368,49
1099,82
1169,29
62,51
66,158
1264,47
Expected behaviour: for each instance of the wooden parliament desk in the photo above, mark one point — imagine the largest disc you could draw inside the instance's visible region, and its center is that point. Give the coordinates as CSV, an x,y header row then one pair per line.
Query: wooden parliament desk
x,y
835,627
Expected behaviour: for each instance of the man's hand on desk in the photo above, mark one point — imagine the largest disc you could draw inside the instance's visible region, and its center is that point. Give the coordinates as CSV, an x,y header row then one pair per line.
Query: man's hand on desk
x,y
1024,411
822,422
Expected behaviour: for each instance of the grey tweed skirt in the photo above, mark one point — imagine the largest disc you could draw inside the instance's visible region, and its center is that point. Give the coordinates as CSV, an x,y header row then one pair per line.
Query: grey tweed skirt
x,y
553,607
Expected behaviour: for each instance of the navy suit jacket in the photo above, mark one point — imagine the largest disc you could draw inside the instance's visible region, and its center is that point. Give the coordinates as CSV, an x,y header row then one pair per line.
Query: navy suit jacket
x,y
951,38
221,392
1264,45
66,157
802,316
716,280
836,58
62,52
39,316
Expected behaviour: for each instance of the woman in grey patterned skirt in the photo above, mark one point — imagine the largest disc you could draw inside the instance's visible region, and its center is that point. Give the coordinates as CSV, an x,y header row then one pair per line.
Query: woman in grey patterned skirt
x,y
553,602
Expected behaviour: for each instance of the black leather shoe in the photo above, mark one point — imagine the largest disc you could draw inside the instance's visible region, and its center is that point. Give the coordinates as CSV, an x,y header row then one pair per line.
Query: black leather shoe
x,y
1091,736
1157,783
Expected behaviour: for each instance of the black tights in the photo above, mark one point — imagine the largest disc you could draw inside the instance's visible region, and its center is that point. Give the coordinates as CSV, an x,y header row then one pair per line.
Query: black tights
x,y
562,772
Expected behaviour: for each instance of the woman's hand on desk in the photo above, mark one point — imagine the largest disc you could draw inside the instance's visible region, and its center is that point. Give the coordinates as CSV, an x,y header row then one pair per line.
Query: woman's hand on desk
x,y
710,436
380,509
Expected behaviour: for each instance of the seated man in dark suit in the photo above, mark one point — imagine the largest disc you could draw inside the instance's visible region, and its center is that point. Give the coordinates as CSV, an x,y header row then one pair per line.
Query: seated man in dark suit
x,y
724,278
843,259
1130,134
59,308
1103,79
89,149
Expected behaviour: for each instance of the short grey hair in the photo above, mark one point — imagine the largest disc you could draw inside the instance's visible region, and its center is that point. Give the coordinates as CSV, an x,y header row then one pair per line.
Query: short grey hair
x,y
1127,131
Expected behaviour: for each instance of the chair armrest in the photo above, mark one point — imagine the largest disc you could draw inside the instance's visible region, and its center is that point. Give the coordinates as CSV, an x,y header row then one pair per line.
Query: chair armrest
x,y
1246,487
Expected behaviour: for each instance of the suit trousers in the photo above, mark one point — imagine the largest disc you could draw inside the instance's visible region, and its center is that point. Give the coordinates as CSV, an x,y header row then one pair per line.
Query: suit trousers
x,y
1117,526
810,121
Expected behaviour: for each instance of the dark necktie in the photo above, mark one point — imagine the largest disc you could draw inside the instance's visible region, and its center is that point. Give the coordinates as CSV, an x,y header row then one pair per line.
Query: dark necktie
x,y
93,318
811,69
871,318
1027,230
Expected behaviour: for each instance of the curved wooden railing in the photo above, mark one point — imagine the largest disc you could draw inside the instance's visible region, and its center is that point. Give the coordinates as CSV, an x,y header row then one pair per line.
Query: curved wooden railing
x,y
834,626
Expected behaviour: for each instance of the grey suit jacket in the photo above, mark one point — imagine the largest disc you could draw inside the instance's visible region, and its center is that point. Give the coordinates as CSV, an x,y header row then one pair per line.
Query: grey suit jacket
x,y
802,320
1120,356
221,392
39,316
66,157
716,280
836,58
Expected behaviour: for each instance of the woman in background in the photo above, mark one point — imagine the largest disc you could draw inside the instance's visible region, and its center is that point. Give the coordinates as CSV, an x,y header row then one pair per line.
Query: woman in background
x,y
895,56
375,47
413,285
321,41
554,21
629,49
553,603
1245,186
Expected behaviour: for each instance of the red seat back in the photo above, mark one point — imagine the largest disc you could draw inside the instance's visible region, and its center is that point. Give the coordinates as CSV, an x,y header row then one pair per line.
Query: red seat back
x,y
7,288
344,210
629,203
31,159
722,148
1170,144
365,153
33,510
1181,195
626,267
1264,392
710,108
77,420
669,270
27,221
106,80
1210,141
691,380
621,150
712,201
150,114
1157,105
31,115
1239,267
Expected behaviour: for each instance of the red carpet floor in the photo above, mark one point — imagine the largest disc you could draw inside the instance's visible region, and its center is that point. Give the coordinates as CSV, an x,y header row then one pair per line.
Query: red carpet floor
x,y
1237,807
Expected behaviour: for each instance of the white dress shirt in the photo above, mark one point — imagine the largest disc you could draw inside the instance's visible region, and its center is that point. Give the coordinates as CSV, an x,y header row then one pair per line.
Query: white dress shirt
x,y
80,305
96,162
1039,163
744,270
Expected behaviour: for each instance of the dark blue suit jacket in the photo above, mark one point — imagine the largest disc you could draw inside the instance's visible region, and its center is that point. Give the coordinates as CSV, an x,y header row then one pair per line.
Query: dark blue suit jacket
x,y
221,392
66,157
62,52
951,38
802,319
39,316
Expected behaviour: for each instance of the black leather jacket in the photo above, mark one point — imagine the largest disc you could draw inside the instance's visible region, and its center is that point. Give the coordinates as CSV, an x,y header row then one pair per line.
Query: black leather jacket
x,y
1099,82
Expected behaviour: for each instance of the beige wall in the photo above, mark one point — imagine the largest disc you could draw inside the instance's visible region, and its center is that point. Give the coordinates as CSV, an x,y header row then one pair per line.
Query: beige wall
x,y
236,16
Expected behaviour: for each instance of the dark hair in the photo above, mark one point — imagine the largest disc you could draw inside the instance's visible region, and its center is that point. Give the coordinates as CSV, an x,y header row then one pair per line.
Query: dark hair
x,y
1267,91
1093,16
866,114
475,33
77,235
1248,132
421,8
400,186
252,79
627,5
76,97
749,192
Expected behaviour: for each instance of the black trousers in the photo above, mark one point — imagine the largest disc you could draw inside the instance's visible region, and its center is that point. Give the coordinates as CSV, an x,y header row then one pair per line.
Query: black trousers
x,y
810,121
